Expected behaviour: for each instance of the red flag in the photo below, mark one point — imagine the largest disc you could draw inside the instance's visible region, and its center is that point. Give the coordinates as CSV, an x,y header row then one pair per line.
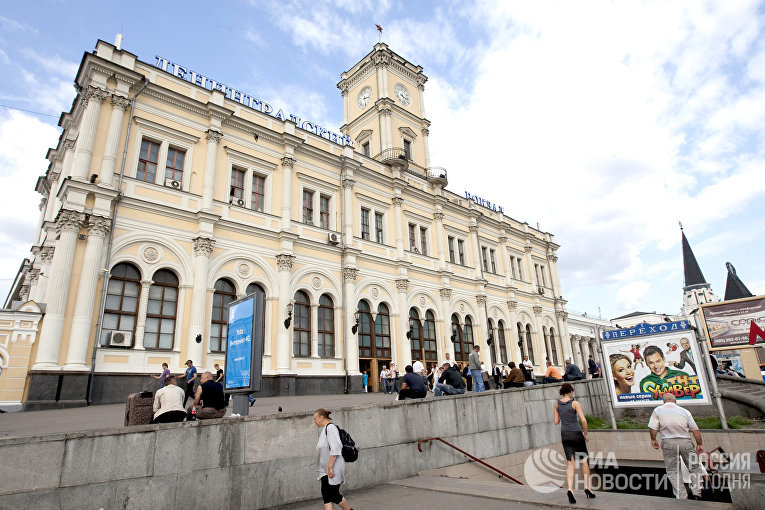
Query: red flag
x,y
379,28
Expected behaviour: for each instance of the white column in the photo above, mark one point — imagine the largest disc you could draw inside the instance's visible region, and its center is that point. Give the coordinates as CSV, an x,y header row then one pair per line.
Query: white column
x,y
548,348
552,261
482,330
512,306
397,202
45,255
425,133
539,342
446,313
585,355
314,330
92,97
528,270
405,357
565,346
213,137
348,184
477,261
108,163
34,281
439,217
143,305
68,226
504,258
203,248
82,322
287,164
53,182
350,341
283,338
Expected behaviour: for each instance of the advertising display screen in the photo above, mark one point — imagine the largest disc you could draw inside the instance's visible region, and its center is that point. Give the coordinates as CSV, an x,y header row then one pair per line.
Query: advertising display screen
x,y
729,323
241,315
640,368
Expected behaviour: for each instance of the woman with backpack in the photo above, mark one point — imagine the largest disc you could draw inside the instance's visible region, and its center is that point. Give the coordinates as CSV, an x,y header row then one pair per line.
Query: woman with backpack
x,y
330,465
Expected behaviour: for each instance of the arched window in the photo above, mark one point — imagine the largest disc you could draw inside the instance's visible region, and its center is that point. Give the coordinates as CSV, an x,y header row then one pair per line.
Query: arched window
x,y
529,344
161,310
326,327
467,337
301,329
457,339
365,332
224,293
415,327
502,342
254,288
382,332
260,295
553,346
121,307
429,337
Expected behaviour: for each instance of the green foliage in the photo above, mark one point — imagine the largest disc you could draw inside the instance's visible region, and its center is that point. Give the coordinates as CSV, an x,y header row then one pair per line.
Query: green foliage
x,y
713,422
596,422
629,423
710,422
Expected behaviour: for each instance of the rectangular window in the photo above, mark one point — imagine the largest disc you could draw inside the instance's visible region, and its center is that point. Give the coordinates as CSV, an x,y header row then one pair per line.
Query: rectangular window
x,y
408,149
147,161
520,268
412,238
512,267
258,193
365,149
451,249
424,240
379,227
308,207
365,223
461,251
483,258
324,211
174,167
237,184
542,275
493,262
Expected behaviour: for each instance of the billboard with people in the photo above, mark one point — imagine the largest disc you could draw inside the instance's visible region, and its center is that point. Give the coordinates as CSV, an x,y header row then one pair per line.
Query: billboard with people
x,y
644,362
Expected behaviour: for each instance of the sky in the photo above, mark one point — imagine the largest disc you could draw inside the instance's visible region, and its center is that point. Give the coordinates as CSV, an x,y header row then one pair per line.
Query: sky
x,y
604,123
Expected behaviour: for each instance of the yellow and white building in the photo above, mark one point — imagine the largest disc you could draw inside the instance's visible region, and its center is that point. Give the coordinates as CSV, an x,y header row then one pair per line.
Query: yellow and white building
x,y
183,194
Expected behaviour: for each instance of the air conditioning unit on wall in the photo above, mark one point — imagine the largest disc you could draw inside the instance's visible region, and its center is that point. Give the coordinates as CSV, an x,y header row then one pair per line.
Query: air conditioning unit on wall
x,y
333,238
121,339
170,183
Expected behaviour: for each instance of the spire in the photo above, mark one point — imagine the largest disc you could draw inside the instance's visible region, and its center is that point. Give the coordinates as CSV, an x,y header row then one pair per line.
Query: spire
x,y
734,287
693,276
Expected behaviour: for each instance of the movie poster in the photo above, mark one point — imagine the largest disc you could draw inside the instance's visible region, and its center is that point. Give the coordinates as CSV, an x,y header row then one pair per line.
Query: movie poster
x,y
640,369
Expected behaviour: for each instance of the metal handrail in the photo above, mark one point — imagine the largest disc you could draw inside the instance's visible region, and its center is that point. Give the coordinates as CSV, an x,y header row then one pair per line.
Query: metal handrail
x,y
391,153
436,172
463,452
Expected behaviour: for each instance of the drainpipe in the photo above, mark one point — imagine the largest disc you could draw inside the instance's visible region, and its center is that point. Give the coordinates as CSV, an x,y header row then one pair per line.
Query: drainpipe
x,y
346,388
105,271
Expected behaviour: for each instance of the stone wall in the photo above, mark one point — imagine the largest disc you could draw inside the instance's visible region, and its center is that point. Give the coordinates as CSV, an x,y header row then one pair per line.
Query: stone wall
x,y
265,461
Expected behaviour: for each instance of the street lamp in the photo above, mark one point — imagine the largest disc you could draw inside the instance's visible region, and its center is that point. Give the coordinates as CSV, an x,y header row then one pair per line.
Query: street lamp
x,y
355,327
288,320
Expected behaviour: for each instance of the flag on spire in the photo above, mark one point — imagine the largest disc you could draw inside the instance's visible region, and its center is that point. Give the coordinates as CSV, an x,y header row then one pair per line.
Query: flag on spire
x,y
379,29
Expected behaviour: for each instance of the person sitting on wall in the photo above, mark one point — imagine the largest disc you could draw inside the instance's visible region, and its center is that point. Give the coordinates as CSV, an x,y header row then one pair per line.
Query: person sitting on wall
x,y
412,385
573,372
450,382
515,377
210,394
168,403
528,376
552,375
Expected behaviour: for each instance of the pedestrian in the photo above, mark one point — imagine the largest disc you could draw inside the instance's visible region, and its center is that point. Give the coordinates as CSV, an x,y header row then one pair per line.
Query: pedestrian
x,y
384,377
394,376
468,378
412,385
496,375
474,363
552,375
515,377
330,465
210,396
163,376
676,426
365,380
168,403
593,367
449,382
221,379
572,372
573,434
189,377
528,364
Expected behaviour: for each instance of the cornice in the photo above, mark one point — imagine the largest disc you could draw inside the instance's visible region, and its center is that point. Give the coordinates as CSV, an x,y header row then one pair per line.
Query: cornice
x,y
175,99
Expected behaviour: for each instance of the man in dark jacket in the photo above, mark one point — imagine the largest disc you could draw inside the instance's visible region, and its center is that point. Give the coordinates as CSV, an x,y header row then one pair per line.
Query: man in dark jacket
x,y
412,385
450,382
593,367
515,378
573,373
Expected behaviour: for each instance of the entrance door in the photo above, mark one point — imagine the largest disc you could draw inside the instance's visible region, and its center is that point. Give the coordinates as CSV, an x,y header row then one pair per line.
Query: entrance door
x,y
374,342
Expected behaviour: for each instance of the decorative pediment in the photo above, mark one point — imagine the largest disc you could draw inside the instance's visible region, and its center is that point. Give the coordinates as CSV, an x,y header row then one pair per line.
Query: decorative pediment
x,y
405,131
363,136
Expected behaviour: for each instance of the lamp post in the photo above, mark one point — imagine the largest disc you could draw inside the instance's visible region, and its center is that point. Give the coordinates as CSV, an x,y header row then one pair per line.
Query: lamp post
x,y
288,320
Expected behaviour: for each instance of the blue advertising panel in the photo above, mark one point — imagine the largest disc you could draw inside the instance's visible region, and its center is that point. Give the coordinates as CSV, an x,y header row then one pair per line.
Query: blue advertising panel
x,y
241,315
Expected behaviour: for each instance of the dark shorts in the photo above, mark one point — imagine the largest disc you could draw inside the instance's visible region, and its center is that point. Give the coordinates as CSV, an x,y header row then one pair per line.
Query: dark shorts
x,y
330,493
574,445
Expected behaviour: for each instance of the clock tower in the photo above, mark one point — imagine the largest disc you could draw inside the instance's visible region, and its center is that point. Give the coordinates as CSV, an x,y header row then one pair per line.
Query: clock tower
x,y
384,112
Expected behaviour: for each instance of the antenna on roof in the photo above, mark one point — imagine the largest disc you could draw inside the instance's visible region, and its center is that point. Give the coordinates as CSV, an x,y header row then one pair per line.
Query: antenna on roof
x,y
118,41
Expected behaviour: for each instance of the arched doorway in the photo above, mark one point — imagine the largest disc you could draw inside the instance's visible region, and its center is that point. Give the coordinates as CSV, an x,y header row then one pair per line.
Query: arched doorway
x,y
374,342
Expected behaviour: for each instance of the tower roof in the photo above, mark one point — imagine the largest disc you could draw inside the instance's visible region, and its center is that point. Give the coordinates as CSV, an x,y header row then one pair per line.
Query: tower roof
x,y
734,287
693,276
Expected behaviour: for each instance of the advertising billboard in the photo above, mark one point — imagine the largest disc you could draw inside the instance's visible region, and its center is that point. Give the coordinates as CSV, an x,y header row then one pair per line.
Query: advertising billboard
x,y
644,362
729,323
244,345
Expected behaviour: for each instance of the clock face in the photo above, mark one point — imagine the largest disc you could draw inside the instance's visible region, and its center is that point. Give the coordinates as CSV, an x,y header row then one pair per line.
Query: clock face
x,y
364,96
402,94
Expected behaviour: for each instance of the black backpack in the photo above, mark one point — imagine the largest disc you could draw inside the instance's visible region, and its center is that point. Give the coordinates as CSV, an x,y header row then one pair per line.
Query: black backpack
x,y
350,451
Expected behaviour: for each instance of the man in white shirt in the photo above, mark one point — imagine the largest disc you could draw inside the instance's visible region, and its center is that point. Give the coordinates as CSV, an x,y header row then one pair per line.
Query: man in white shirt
x,y
676,425
528,364
394,376
385,378
168,403
447,360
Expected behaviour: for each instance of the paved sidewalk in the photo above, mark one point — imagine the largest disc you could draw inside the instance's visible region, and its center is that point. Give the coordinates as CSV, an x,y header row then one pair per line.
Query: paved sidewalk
x,y
77,419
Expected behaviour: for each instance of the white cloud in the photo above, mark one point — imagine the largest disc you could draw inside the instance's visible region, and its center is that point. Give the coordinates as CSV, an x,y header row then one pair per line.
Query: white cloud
x,y
632,296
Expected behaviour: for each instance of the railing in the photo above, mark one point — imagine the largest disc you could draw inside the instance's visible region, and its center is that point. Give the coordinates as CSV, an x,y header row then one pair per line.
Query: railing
x,y
436,172
390,154
466,454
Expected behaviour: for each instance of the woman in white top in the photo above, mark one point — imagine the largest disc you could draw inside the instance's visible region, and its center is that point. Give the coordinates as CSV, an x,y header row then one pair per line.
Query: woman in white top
x,y
330,466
